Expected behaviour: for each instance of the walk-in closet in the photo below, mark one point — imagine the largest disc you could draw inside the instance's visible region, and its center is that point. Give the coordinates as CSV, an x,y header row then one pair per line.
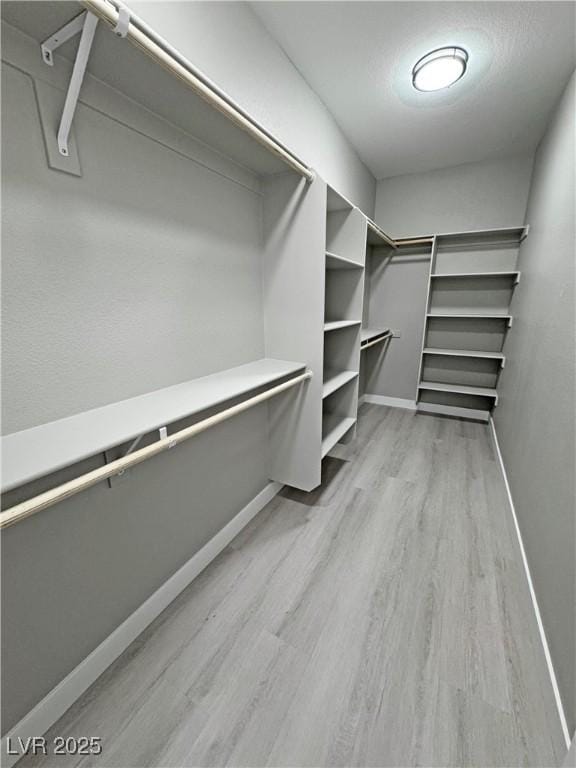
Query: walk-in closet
x,y
288,384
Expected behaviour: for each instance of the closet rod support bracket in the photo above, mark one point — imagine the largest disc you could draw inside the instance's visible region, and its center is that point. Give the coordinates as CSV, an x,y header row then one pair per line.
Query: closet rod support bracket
x,y
60,37
85,24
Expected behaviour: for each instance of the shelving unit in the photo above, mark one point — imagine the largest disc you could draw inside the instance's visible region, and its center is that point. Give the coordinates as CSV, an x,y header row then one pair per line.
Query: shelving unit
x,y
343,292
472,279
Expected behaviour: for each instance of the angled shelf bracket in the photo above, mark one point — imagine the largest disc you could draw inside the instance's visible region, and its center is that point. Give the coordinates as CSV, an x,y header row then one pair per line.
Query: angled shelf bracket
x,y
85,24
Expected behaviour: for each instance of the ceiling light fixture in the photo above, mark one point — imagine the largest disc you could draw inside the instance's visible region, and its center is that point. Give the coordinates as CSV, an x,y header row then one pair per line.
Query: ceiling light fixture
x,y
439,69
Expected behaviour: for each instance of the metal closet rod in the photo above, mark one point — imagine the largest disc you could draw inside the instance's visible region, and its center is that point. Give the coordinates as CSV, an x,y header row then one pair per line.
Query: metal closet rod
x,y
47,499
379,340
408,241
173,62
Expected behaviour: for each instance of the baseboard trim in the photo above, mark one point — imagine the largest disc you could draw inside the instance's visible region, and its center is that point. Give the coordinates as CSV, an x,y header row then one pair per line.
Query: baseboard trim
x,y
454,410
392,402
60,698
541,630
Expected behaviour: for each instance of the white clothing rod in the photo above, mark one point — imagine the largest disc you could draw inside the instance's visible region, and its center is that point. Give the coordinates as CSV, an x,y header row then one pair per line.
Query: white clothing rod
x,y
410,241
47,499
376,341
375,228
173,62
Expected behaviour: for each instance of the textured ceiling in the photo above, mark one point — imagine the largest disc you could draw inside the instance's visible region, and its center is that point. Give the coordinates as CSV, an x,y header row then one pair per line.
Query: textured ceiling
x,y
358,56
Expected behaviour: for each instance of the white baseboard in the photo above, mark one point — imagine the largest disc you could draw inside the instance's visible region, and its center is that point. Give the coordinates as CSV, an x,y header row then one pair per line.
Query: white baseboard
x,y
541,630
60,698
392,402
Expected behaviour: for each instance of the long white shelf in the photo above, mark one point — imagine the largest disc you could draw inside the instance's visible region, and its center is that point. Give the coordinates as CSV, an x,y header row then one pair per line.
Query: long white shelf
x,y
509,275
333,261
335,379
462,389
36,452
159,88
336,325
473,315
334,427
464,353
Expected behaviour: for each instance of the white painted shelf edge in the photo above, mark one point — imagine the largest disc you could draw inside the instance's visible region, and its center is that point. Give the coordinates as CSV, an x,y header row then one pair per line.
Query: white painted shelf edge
x,y
334,380
514,275
38,451
335,325
334,427
463,353
333,261
463,389
473,315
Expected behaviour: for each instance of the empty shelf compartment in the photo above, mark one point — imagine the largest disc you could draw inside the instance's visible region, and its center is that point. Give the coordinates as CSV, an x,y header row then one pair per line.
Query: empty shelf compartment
x,y
334,427
334,380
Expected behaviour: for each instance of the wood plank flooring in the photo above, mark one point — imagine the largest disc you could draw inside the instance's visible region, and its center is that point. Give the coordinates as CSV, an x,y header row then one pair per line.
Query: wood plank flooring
x,y
381,620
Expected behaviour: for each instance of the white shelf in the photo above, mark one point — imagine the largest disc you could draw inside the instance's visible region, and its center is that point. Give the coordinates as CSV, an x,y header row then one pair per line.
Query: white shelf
x,y
461,389
126,69
473,315
501,236
336,325
333,261
369,334
465,353
335,379
38,451
334,427
514,275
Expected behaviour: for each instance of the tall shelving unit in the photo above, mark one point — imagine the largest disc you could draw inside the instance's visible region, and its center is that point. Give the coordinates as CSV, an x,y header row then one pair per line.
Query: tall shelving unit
x,y
343,294
473,276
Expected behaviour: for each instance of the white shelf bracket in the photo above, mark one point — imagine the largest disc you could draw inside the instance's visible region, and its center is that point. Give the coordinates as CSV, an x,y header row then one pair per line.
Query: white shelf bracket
x,y
86,24
62,36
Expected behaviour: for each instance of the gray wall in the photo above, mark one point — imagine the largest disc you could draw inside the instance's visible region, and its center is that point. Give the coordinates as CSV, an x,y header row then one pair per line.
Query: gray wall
x,y
144,272
535,420
397,299
471,196
229,43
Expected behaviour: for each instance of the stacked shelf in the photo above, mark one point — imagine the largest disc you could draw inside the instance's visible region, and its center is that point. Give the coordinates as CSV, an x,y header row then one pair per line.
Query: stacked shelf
x,y
473,276
344,285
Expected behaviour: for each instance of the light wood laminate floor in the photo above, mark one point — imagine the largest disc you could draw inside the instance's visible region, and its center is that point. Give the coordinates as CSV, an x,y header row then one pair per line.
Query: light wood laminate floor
x,y
382,620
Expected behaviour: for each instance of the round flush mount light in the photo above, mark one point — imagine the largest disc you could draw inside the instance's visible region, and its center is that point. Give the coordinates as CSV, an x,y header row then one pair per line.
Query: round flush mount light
x,y
439,69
